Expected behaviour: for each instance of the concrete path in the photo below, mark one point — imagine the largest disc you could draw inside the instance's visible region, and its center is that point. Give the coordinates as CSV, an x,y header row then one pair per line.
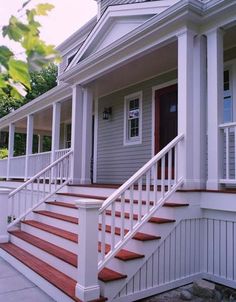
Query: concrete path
x,y
15,287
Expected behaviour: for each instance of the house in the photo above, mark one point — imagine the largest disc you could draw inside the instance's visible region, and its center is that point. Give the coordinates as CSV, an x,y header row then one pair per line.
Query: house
x,y
143,149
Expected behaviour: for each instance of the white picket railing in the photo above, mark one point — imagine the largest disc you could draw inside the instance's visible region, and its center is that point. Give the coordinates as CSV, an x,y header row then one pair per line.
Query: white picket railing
x,y
61,152
17,166
163,167
228,174
39,188
3,167
37,162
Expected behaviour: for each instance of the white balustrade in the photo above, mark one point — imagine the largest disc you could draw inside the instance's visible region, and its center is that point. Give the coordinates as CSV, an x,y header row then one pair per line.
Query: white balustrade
x,y
152,185
38,162
39,188
61,152
3,167
228,173
17,167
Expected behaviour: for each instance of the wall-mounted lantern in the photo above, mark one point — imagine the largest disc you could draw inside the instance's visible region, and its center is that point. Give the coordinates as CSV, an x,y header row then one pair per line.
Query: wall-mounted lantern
x,y
107,112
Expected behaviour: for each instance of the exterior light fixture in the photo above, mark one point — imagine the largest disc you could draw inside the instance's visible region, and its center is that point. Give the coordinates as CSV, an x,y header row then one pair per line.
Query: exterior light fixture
x,y
107,113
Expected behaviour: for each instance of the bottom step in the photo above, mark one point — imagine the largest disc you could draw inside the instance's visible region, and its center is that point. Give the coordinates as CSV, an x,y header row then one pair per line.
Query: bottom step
x,y
49,273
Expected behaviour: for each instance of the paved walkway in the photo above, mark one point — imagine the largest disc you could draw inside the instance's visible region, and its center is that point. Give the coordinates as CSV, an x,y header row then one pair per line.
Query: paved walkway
x,y
15,287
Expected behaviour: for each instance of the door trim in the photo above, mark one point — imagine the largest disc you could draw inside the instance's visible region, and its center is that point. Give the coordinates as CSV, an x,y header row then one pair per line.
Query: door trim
x,y
154,89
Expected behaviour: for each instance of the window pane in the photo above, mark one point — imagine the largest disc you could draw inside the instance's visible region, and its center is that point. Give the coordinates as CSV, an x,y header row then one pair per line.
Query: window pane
x,y
227,109
226,80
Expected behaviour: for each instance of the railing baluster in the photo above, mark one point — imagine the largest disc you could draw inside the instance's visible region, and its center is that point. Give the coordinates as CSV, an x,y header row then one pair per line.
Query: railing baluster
x,y
227,151
131,214
103,235
32,194
113,218
169,168
155,183
163,176
140,188
148,191
122,216
176,164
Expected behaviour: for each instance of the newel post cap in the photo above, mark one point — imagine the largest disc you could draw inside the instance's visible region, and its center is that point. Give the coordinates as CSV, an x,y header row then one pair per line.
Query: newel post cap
x,y
88,203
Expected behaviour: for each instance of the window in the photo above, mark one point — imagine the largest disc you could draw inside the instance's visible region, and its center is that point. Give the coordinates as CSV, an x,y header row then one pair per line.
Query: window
x,y
133,117
228,104
67,136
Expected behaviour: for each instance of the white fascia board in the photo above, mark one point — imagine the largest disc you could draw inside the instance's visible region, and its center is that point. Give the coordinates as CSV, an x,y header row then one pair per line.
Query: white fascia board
x,y
116,53
60,92
77,38
118,11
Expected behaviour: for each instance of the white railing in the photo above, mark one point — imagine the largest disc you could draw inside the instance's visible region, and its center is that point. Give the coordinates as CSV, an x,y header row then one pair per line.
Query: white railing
x,y
3,167
39,188
163,167
228,175
17,166
37,162
61,152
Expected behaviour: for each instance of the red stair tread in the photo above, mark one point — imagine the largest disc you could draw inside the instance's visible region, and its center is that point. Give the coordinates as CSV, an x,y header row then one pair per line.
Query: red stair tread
x,y
125,255
107,275
87,196
52,230
46,246
46,271
58,216
71,236
175,204
160,220
62,204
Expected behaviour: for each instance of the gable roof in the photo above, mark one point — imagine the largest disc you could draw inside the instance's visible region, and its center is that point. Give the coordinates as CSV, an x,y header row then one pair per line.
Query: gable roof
x,y
116,22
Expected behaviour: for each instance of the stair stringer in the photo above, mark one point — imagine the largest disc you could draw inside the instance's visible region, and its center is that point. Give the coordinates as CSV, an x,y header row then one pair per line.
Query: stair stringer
x,y
111,290
181,255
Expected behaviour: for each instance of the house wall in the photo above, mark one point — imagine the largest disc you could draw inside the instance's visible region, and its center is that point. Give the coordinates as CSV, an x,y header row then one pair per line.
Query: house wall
x,y
116,162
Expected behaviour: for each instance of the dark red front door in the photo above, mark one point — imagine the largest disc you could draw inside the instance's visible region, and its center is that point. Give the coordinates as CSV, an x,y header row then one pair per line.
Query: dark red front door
x,y
166,109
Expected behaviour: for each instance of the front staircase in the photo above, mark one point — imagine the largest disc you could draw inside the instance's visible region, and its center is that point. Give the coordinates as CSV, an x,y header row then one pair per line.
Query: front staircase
x,y
44,246
115,243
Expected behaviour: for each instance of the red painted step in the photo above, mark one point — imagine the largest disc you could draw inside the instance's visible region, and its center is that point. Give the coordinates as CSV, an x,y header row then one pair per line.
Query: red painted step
x,y
70,258
175,204
62,204
161,220
138,236
46,271
74,237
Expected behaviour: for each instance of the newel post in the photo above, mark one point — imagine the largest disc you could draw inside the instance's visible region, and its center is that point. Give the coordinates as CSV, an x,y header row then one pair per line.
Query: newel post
x,y
87,287
4,193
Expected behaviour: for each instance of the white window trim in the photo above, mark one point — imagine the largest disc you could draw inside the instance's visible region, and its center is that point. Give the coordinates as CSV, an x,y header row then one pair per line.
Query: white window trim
x,y
127,98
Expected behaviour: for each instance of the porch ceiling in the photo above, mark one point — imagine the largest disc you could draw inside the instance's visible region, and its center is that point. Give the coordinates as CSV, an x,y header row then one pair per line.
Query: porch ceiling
x,y
157,62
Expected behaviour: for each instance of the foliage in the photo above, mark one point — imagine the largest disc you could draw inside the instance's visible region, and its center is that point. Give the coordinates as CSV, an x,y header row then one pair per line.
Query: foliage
x,y
3,153
15,73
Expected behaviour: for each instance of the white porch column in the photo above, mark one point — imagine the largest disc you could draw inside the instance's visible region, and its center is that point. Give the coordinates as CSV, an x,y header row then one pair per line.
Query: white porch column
x,y
214,106
185,106
87,136
10,147
87,288
76,133
29,142
199,112
56,119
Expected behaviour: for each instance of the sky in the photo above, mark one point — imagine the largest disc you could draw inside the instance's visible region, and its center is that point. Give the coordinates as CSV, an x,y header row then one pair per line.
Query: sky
x,y
67,17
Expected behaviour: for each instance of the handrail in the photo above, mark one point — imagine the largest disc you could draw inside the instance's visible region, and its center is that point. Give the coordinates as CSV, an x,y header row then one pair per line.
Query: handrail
x,y
139,173
22,201
32,179
227,125
161,167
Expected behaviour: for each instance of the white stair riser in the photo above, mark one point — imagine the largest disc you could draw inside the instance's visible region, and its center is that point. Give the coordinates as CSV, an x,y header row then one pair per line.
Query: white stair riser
x,y
58,223
90,191
57,263
59,241
62,210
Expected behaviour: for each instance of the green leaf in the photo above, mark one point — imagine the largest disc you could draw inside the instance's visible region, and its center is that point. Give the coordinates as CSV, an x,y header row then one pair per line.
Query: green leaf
x,y
15,94
42,9
5,55
18,71
3,83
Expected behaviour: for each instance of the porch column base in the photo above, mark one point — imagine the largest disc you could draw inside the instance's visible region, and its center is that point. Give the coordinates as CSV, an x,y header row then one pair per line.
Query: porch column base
x,y
80,181
87,293
86,181
4,238
213,184
194,184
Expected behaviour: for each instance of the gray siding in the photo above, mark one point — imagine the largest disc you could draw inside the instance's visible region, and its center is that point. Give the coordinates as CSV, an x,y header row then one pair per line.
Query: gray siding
x,y
116,162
